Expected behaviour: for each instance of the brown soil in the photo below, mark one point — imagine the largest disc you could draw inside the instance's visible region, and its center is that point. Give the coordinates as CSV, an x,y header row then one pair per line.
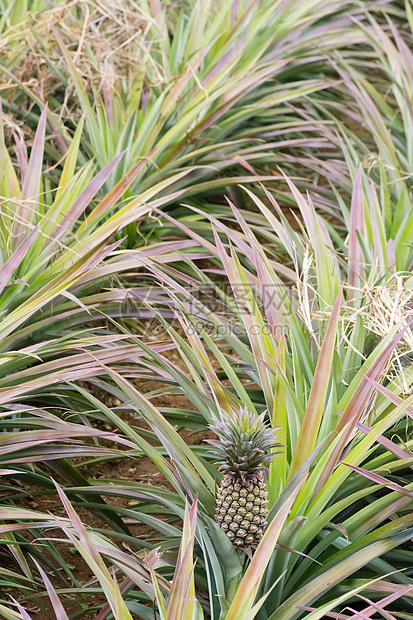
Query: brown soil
x,y
138,470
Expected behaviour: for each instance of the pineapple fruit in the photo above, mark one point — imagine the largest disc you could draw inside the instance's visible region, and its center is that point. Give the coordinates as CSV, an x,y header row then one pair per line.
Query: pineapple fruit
x,y
243,447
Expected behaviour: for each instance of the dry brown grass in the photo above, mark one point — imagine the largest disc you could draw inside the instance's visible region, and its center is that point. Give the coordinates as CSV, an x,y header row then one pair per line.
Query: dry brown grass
x,y
106,41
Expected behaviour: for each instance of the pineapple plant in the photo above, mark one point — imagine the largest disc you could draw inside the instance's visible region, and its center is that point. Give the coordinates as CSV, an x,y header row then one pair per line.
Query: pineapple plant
x,y
243,447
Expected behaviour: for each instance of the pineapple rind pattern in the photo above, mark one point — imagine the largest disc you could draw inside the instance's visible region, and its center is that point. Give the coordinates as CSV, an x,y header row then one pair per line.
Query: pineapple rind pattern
x,y
245,446
241,509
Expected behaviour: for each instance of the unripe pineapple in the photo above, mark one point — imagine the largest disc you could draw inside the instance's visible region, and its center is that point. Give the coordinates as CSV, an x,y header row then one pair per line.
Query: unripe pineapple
x,y
243,445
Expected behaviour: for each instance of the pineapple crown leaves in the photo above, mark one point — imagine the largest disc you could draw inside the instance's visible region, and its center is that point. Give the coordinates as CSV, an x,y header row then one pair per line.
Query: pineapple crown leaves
x,y
244,443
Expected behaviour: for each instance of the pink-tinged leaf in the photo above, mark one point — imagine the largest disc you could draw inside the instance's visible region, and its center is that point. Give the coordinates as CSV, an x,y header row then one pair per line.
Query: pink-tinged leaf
x,y
379,234
15,514
57,136
158,13
196,344
325,260
124,587
64,431
326,614
305,210
116,193
360,615
31,186
231,234
8,177
181,600
207,244
78,526
300,553
380,605
340,528
44,521
262,346
72,215
245,164
362,394
16,527
233,95
49,453
21,152
269,291
281,228
66,369
234,12
139,569
307,438
272,300
120,609
341,570
86,547
132,212
172,441
381,586
357,225
11,264
55,287
246,593
391,253
57,605
77,301
355,409
377,479
394,398
23,612
387,443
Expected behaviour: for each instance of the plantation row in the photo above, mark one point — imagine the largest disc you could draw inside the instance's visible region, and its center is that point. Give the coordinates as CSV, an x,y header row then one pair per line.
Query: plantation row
x,y
206,292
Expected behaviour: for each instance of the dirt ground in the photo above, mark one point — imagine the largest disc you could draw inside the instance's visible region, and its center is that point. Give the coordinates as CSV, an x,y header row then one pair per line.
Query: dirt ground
x,y
138,470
